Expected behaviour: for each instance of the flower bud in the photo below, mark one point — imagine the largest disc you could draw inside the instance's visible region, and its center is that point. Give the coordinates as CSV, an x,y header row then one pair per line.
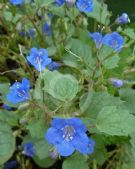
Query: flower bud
x,y
70,2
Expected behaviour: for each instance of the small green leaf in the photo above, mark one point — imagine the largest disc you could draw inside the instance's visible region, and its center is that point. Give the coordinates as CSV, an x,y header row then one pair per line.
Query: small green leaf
x,y
76,161
115,121
130,165
41,3
37,129
7,15
44,163
79,55
100,152
100,13
112,62
7,142
42,148
130,33
9,116
128,95
4,87
59,11
91,103
108,57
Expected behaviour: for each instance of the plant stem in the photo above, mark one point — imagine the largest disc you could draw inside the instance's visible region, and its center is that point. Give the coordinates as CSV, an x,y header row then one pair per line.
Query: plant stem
x,y
94,164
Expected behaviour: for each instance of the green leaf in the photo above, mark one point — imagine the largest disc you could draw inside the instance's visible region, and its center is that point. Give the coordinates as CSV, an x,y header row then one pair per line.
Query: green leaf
x,y
100,152
7,142
130,165
105,52
76,161
9,116
100,13
115,121
41,3
128,95
44,163
51,50
4,87
79,55
7,15
42,148
112,62
37,129
108,57
91,103
62,87
130,33
59,11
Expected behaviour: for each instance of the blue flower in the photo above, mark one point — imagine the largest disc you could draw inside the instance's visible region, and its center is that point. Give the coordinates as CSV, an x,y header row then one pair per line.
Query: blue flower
x,y
32,32
22,33
6,107
114,40
60,2
50,16
39,58
47,29
123,19
19,92
97,37
54,66
68,135
85,5
29,149
17,2
116,82
10,164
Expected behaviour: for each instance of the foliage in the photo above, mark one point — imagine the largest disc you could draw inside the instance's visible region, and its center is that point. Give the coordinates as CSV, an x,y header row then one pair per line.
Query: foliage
x,y
66,85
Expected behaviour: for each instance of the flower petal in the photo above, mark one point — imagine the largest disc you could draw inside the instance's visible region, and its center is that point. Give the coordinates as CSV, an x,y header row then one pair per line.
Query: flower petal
x,y
65,149
81,142
26,84
53,136
90,147
58,123
77,124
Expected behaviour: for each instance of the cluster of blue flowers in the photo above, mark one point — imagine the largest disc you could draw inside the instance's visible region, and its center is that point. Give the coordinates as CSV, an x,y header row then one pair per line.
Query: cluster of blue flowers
x,y
19,92
82,5
114,40
68,135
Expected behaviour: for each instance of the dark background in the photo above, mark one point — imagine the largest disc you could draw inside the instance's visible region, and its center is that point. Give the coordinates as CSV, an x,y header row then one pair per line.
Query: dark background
x,y
119,6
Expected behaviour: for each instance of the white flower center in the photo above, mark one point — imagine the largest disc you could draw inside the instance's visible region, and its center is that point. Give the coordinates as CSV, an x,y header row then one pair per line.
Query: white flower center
x,y
68,133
